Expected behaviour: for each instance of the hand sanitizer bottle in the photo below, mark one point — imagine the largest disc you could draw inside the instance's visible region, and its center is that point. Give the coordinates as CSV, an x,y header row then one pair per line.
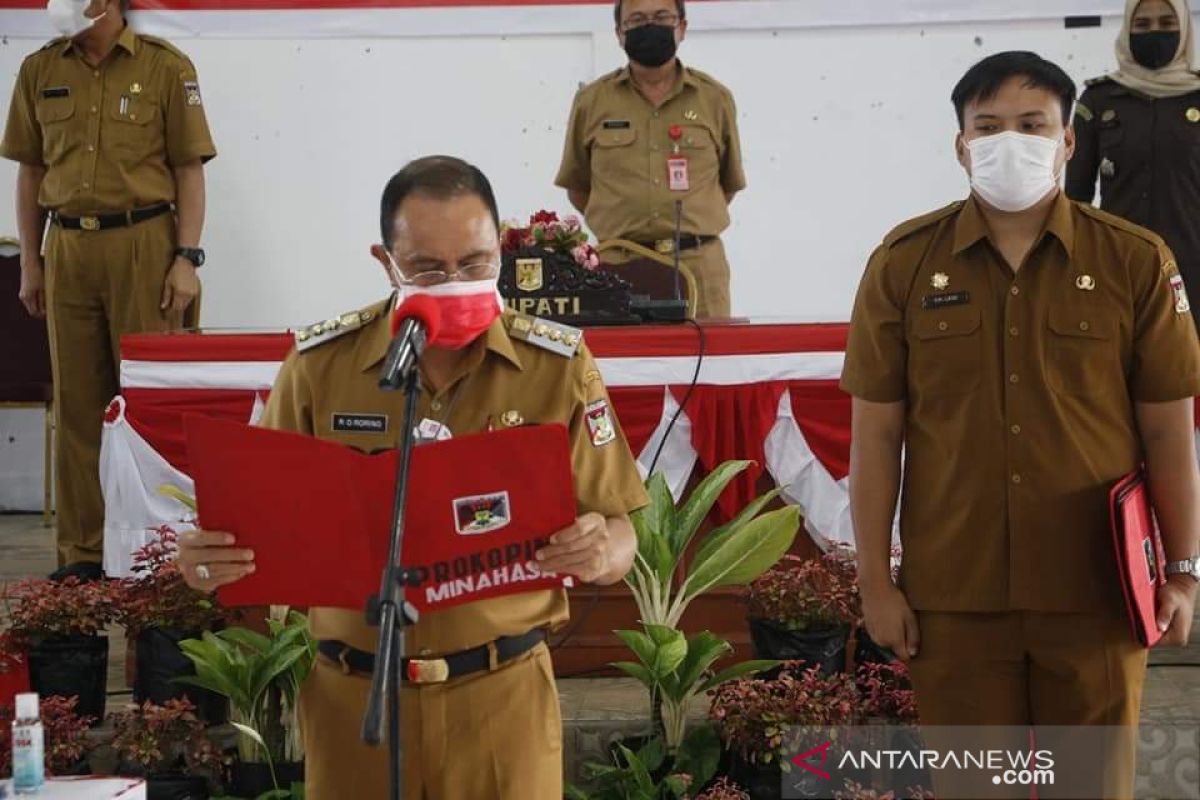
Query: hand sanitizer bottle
x,y
28,761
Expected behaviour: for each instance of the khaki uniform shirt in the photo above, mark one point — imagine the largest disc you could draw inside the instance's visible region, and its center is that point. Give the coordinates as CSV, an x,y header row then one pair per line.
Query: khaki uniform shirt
x,y
1019,392
108,136
617,149
1146,153
502,374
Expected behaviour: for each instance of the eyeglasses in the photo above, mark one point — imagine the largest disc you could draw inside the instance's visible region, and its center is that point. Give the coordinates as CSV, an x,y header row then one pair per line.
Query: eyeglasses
x,y
435,277
660,18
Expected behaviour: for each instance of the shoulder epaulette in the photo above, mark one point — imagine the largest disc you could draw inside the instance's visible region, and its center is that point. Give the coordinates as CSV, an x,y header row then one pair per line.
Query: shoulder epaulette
x,y
323,332
546,334
165,45
50,44
1121,224
906,229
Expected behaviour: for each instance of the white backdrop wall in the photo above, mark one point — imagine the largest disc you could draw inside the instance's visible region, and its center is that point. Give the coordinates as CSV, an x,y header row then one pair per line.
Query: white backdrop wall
x,y
844,110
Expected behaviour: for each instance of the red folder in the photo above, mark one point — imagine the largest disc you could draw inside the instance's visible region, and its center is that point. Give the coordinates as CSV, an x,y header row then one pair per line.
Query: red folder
x,y
318,514
1140,556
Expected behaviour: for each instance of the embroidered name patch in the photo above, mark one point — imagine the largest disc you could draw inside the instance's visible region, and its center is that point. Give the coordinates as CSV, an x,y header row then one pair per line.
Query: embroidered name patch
x,y
615,124
57,91
932,301
360,423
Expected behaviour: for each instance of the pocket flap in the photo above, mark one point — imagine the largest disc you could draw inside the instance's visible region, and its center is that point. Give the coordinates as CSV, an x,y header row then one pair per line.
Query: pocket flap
x,y
934,325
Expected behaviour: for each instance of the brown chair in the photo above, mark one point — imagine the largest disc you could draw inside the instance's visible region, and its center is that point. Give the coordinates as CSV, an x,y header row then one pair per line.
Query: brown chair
x,y
25,380
649,272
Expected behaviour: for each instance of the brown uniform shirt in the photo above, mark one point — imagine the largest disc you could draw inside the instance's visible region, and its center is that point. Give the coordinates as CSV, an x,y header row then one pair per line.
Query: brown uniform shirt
x,y
108,136
1146,152
1019,392
617,148
502,374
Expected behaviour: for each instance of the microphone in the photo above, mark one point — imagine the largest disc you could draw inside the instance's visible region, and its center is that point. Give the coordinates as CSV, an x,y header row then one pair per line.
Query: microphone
x,y
416,321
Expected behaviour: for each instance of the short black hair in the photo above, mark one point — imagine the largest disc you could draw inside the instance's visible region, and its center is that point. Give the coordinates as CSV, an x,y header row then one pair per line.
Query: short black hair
x,y
439,177
984,80
617,10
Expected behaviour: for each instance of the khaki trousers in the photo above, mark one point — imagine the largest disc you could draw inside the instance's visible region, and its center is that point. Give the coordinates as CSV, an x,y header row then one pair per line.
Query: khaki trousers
x,y
1024,669
488,736
100,285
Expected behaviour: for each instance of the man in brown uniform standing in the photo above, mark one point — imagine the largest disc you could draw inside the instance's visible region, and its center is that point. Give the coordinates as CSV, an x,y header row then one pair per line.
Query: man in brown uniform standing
x,y
110,133
623,129
492,730
1026,352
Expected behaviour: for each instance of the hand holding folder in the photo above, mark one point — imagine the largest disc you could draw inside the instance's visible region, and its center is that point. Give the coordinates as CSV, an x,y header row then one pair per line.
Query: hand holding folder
x,y
317,514
1140,556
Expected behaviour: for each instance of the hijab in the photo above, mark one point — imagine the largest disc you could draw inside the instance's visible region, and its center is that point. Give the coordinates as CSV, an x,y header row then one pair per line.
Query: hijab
x,y
1176,78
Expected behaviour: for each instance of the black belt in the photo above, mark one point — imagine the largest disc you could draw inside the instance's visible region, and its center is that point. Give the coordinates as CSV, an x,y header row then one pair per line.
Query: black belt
x,y
102,222
437,670
686,242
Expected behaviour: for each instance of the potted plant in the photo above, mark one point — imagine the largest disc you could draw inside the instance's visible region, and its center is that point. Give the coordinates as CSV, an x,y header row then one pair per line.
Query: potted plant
x,y
158,610
59,626
167,745
755,717
804,610
65,737
650,773
724,789
261,676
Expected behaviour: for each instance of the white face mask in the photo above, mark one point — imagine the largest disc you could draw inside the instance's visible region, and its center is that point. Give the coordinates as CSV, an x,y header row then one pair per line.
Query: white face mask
x,y
1012,171
68,18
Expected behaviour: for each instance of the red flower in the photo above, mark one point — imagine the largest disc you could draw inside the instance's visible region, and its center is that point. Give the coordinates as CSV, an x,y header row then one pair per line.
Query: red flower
x,y
513,239
545,217
675,132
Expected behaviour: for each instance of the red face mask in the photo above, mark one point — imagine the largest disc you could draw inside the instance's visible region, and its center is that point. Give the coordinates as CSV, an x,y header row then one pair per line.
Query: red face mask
x,y
468,309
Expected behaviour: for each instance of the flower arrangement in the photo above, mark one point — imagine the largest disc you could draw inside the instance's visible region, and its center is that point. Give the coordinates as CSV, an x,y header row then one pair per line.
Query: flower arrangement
x,y
724,789
886,692
808,594
65,735
546,231
156,596
753,716
40,609
154,739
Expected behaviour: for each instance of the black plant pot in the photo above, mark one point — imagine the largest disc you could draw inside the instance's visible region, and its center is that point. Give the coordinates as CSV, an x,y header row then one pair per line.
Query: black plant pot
x,y
824,648
251,780
159,661
176,787
762,781
72,666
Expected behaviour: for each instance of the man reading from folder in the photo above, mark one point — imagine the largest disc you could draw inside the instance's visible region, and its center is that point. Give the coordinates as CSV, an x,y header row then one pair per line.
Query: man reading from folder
x,y
491,732
1025,352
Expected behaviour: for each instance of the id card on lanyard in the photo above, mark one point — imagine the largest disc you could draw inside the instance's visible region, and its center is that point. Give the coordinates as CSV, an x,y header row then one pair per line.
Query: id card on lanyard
x,y
677,163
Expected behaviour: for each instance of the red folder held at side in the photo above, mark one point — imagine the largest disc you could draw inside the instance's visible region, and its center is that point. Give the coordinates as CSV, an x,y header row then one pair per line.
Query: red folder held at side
x,y
1140,556
318,514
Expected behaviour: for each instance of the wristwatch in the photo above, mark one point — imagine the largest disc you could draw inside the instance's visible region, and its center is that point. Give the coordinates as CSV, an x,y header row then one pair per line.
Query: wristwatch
x,y
192,254
1189,567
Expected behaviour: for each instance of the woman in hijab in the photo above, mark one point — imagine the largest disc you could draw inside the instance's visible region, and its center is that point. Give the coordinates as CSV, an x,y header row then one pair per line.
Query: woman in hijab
x,y
1139,129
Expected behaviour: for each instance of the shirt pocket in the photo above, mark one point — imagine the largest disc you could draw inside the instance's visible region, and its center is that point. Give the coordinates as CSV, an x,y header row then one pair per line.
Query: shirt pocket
x,y
134,130
54,116
1082,358
945,352
699,145
613,148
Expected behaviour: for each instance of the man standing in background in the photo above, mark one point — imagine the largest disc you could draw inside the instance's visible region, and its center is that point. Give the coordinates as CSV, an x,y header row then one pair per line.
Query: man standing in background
x,y
109,129
626,127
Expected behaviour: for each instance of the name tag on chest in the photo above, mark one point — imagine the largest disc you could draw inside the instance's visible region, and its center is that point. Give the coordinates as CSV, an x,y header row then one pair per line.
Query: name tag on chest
x,y
932,301
360,423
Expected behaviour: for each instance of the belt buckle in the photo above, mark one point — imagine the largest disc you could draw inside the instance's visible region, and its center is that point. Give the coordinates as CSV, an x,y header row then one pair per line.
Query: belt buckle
x,y
428,670
89,223
346,669
665,246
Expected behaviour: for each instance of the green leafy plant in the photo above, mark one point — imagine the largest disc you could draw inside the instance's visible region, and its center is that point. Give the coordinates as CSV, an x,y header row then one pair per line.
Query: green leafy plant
x,y
732,555
675,669
261,676
632,775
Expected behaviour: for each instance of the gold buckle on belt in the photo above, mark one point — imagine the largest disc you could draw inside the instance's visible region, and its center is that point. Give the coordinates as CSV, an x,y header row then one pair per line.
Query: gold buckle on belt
x,y
664,246
89,223
428,670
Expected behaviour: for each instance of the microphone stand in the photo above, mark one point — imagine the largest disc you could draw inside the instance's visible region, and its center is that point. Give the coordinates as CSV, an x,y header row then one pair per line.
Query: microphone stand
x,y
387,609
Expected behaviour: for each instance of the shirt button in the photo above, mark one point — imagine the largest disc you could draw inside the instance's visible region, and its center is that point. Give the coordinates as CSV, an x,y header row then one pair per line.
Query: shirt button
x,y
94,109
91,148
1013,331
133,117
1016,478
657,182
436,405
1014,378
942,326
1083,326
96,74
656,115
1016,429
654,147
656,215
87,185
1015,290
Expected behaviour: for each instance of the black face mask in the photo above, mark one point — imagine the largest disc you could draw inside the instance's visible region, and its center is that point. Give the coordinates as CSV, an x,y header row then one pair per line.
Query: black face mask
x,y
650,45
1155,49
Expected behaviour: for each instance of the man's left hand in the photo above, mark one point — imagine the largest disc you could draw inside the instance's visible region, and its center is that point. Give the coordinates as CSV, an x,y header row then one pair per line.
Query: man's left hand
x,y
583,550
1176,608
181,286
